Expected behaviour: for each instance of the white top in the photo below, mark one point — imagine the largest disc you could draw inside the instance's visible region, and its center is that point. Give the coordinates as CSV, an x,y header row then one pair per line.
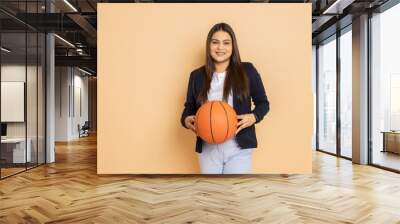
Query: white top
x,y
216,91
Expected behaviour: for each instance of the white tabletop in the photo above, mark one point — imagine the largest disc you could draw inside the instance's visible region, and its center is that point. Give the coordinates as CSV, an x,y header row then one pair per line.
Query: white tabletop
x,y
13,140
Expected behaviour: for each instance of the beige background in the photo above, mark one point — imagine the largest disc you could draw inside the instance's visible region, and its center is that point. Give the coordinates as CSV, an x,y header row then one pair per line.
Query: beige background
x,y
145,55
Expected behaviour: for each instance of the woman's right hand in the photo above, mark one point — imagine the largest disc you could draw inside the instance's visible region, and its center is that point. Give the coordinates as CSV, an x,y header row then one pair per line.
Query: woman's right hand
x,y
190,122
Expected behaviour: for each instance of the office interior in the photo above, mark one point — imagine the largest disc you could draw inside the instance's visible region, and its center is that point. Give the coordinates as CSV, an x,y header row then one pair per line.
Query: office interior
x,y
48,88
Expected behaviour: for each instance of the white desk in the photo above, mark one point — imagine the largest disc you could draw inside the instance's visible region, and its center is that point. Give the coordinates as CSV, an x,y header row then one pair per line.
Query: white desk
x,y
19,149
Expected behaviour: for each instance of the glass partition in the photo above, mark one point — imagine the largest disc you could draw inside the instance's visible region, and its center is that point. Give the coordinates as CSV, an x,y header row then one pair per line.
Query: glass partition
x,y
22,77
327,95
13,104
385,89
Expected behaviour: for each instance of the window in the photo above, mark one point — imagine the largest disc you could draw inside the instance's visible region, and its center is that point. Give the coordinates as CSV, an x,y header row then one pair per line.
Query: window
x,y
327,95
385,88
346,92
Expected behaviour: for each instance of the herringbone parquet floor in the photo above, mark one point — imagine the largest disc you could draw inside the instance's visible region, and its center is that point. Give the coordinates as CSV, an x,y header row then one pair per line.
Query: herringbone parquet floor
x,y
69,191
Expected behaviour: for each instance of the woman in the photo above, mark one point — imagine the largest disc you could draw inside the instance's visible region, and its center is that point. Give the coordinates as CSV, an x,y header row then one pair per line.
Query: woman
x,y
225,77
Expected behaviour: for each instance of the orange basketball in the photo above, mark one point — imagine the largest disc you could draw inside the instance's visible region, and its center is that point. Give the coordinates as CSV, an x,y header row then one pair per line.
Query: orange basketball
x,y
216,122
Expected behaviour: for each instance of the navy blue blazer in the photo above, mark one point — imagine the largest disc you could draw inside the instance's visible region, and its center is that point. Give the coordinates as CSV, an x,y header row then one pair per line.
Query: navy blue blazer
x,y
246,138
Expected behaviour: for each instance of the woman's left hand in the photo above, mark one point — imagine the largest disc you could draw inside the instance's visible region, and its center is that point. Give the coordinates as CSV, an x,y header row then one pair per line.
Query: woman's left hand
x,y
246,120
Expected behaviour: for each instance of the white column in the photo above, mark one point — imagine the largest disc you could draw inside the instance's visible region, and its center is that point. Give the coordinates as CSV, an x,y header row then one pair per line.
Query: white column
x,y
50,92
360,90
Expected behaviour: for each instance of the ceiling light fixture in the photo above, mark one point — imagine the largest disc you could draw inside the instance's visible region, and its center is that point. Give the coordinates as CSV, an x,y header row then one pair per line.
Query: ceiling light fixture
x,y
337,7
70,5
84,71
5,50
64,40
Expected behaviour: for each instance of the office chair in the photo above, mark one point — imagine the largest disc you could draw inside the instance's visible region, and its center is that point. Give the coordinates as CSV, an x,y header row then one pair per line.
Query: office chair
x,y
84,130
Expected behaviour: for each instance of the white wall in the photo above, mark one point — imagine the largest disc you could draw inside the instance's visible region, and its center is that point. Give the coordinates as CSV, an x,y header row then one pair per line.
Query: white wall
x,y
81,89
62,80
16,72
71,93
34,106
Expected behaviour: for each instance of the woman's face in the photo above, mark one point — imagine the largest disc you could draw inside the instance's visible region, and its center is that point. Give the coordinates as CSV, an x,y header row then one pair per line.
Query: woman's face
x,y
221,46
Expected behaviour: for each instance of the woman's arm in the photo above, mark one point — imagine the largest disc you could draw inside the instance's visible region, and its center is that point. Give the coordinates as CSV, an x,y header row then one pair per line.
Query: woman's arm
x,y
190,104
258,96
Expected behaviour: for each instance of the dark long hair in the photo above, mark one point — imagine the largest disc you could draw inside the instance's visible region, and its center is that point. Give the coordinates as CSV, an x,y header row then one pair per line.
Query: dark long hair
x,y
236,78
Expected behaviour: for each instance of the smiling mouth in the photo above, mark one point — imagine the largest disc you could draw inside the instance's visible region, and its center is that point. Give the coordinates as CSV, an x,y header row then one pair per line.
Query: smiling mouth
x,y
220,54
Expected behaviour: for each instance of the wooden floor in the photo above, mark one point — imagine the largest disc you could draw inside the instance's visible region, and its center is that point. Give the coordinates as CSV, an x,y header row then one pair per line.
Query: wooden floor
x,y
387,159
5,172
69,191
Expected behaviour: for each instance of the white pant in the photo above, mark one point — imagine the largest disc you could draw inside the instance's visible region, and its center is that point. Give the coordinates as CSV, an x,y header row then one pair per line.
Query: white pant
x,y
225,158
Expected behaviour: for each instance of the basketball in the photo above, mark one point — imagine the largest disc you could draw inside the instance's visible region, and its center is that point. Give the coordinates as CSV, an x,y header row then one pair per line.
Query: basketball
x,y
216,122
